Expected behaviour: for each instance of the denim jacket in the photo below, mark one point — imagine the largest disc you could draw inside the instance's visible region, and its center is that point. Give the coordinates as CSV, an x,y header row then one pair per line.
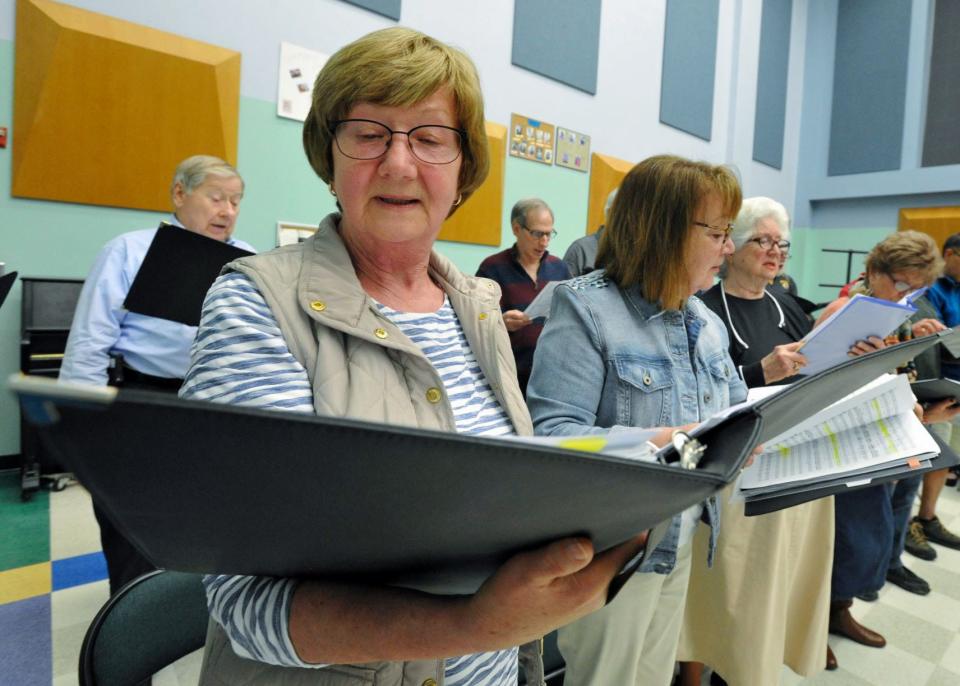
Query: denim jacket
x,y
610,359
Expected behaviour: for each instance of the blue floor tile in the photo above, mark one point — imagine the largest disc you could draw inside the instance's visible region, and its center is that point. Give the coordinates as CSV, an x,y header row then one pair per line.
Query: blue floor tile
x,y
26,646
79,570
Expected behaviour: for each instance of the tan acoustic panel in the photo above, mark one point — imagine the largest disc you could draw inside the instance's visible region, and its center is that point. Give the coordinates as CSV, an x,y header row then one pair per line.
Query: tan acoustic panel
x,y
105,109
938,222
478,221
606,173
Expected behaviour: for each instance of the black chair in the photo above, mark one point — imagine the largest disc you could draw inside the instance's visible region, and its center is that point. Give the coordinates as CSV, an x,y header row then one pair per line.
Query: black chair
x,y
150,623
553,664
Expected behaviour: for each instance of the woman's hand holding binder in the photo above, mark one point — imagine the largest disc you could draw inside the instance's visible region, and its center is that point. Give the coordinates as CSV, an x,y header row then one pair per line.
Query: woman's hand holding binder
x,y
537,591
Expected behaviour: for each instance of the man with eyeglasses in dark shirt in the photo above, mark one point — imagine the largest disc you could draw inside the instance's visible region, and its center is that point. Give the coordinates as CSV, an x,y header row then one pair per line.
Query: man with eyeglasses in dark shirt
x,y
522,271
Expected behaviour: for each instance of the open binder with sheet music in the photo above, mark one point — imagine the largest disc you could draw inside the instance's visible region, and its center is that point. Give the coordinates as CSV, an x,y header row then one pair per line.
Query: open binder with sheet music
x,y
212,488
860,440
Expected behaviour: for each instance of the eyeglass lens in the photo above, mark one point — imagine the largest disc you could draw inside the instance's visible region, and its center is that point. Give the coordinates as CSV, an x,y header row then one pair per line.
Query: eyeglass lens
x,y
367,140
766,242
540,235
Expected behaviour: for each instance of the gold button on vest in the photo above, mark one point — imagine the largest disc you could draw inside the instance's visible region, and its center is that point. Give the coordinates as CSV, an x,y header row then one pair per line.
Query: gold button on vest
x,y
430,682
380,333
483,315
434,395
318,305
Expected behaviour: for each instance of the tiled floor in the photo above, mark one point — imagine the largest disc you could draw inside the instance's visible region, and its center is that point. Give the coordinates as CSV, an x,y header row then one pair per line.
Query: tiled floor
x,y
53,581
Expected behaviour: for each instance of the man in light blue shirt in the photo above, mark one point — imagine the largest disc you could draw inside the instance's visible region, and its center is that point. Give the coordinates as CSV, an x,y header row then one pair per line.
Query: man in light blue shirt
x,y
154,353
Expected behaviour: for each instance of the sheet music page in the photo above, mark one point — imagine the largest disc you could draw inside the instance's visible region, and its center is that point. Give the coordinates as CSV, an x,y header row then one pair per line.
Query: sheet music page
x,y
878,429
540,307
878,387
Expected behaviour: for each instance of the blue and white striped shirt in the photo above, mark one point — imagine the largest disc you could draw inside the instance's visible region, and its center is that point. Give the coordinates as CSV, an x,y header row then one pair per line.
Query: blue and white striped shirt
x,y
240,357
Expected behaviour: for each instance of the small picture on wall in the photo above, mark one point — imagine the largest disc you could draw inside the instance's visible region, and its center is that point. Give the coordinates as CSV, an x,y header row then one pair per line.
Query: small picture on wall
x,y
291,233
298,70
573,149
531,139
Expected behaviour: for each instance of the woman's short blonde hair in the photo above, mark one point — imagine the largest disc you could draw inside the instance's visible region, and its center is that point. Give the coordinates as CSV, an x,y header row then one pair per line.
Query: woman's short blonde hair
x,y
648,230
397,67
906,251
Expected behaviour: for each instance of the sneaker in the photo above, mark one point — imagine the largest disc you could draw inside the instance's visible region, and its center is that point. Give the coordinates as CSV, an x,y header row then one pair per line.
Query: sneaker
x,y
938,533
908,581
916,542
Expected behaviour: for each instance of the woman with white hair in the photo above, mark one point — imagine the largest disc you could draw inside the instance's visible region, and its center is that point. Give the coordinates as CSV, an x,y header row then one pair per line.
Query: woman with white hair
x,y
766,600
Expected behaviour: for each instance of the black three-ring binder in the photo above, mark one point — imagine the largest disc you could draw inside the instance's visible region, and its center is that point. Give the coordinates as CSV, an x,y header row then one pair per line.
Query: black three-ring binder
x,y
212,488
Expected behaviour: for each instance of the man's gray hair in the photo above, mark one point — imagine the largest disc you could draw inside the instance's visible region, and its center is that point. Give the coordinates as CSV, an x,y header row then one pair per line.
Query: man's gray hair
x,y
609,203
752,212
194,170
524,207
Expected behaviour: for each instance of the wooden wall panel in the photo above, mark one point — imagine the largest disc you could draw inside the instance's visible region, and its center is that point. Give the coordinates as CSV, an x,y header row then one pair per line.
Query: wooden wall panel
x,y
606,173
105,109
478,221
938,222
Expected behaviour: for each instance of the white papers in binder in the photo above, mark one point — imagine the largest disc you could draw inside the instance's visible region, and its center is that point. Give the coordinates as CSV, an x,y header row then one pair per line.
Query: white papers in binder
x,y
869,428
860,318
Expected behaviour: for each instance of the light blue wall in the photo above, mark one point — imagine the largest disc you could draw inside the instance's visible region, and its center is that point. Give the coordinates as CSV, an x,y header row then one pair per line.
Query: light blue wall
x,y
57,239
51,239
869,191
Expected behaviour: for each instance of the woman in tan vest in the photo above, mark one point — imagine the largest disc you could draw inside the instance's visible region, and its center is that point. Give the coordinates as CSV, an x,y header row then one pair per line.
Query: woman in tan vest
x,y
349,323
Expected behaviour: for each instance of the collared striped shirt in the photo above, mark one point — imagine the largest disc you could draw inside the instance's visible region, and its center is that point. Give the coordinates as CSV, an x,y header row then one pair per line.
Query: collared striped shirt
x,y
240,357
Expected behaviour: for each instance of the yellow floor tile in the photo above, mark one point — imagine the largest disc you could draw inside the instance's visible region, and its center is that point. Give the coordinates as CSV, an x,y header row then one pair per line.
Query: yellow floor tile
x,y
24,582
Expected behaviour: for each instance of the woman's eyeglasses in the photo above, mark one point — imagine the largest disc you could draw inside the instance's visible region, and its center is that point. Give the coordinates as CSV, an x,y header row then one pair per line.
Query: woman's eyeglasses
x,y
766,242
718,233
365,139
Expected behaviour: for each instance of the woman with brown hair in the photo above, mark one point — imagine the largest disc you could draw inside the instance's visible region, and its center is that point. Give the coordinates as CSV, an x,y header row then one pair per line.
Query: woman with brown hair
x,y
630,346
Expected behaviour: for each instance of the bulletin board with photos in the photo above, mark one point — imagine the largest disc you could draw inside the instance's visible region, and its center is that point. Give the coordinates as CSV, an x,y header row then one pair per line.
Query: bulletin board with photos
x,y
573,149
531,139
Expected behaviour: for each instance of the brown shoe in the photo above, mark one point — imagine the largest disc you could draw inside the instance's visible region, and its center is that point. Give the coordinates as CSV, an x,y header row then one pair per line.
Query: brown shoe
x,y
831,659
842,623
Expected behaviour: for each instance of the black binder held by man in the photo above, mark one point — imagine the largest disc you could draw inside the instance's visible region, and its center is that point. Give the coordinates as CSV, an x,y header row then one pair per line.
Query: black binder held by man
x,y
176,274
269,493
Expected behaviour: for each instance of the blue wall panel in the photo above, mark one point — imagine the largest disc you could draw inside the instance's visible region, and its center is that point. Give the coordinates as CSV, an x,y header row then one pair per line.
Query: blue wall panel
x,y
869,86
689,63
941,144
772,70
559,39
388,8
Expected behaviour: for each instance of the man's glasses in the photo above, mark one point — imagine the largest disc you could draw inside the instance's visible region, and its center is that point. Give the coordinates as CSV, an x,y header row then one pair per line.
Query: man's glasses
x,y
365,139
718,233
903,286
766,242
540,235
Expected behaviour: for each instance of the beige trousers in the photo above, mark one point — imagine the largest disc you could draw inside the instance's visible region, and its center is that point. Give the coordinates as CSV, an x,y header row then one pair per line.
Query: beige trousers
x,y
633,640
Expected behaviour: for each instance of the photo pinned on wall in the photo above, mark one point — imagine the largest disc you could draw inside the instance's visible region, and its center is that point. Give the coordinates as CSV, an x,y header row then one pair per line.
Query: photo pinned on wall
x,y
531,139
298,70
291,233
573,149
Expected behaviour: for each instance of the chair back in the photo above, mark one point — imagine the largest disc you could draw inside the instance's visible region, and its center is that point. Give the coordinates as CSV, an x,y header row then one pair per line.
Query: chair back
x,y
150,623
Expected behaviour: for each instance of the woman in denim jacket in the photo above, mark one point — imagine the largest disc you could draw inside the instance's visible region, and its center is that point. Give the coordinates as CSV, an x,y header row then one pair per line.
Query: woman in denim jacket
x,y
629,346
